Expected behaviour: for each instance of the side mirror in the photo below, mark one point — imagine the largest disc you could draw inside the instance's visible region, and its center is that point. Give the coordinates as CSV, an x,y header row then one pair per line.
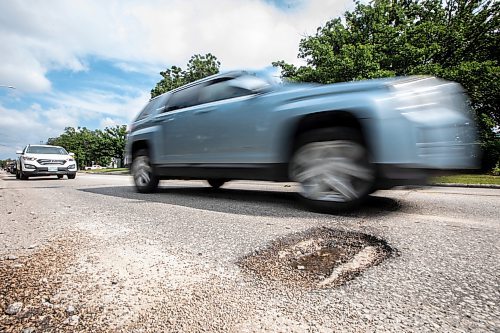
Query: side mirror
x,y
72,154
19,152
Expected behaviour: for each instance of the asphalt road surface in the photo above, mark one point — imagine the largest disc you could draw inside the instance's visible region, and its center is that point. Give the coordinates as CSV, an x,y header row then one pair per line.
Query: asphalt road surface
x,y
91,254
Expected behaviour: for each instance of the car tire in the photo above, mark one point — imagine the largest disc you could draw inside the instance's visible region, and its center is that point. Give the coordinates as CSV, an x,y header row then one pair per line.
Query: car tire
x,y
22,176
216,182
60,176
18,176
145,179
333,168
72,176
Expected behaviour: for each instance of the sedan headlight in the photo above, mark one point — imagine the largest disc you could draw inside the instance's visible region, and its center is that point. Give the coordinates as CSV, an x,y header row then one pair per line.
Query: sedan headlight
x,y
29,158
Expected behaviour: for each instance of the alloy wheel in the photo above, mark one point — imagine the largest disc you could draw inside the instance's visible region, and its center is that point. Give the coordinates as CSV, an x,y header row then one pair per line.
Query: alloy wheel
x,y
337,171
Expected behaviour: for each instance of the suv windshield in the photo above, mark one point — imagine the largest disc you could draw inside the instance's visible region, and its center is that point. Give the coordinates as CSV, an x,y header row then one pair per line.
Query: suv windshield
x,y
46,150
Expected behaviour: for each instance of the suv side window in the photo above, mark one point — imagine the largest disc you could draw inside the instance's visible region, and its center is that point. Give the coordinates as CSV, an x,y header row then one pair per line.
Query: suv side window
x,y
152,106
220,90
183,98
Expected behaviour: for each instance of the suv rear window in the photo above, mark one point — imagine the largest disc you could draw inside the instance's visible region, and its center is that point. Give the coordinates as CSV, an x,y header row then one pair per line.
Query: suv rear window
x,y
183,98
221,90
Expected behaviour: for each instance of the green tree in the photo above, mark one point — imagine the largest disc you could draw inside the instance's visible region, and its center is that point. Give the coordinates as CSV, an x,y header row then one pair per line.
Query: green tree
x,y
93,146
3,163
457,40
198,67
114,139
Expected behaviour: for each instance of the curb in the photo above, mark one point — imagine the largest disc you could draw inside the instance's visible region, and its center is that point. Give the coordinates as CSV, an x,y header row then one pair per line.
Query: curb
x,y
120,173
466,185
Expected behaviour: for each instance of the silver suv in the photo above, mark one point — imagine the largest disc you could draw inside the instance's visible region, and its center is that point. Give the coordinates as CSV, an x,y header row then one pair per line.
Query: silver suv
x,y
339,141
45,160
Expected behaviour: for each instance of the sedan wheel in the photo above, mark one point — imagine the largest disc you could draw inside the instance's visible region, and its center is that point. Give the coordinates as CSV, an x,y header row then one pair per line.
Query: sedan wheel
x,y
334,174
144,178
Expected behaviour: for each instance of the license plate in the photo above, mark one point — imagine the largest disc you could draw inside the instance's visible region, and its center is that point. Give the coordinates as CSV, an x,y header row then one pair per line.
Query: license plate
x,y
52,168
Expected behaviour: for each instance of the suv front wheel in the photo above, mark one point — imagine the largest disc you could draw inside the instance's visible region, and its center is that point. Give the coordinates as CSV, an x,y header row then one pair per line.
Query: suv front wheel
x,y
333,167
144,177
22,175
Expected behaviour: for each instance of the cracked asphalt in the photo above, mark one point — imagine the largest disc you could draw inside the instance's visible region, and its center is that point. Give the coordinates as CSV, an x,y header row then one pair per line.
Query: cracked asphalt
x,y
92,255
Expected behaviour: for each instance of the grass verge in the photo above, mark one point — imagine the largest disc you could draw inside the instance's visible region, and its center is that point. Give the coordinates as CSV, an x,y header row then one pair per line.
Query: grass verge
x,y
467,179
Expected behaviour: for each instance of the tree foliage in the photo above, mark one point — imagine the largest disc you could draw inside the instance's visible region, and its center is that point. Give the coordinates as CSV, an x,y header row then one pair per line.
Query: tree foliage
x,y
456,40
198,67
3,163
97,146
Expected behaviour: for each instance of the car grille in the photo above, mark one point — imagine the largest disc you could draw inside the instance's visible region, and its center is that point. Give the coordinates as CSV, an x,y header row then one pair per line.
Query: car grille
x,y
51,162
42,169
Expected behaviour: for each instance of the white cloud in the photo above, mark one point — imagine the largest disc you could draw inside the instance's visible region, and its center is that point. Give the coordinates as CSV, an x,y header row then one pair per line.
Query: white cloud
x,y
109,122
19,128
37,37
36,124
96,104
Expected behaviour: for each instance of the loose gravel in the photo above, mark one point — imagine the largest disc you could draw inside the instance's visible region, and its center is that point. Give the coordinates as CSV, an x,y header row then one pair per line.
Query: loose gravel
x,y
28,286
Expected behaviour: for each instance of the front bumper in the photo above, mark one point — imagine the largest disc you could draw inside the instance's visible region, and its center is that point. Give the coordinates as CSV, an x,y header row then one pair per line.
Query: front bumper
x,y
44,171
425,123
448,142
391,175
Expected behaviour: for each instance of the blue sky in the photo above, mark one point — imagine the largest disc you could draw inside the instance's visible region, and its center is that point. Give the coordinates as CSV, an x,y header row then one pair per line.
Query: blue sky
x,y
92,63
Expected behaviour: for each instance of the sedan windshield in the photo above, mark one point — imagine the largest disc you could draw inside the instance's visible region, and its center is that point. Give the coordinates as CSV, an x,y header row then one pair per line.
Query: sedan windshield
x,y
46,150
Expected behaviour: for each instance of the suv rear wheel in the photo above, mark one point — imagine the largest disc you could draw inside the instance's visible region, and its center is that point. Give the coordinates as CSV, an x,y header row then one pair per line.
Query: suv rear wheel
x,y
144,177
333,167
216,182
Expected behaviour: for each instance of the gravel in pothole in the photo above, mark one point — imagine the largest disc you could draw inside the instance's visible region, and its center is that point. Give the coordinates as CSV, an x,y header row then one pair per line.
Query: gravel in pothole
x,y
317,258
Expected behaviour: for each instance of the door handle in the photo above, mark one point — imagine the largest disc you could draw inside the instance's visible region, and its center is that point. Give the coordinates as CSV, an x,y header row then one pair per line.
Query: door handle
x,y
163,120
202,111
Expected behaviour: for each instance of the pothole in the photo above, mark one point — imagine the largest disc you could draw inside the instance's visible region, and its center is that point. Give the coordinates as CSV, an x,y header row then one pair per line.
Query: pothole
x,y
317,258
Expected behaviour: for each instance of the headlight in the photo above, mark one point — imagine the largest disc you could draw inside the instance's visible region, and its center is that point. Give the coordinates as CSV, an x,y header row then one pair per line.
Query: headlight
x,y
418,99
72,166
29,158
422,94
70,160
